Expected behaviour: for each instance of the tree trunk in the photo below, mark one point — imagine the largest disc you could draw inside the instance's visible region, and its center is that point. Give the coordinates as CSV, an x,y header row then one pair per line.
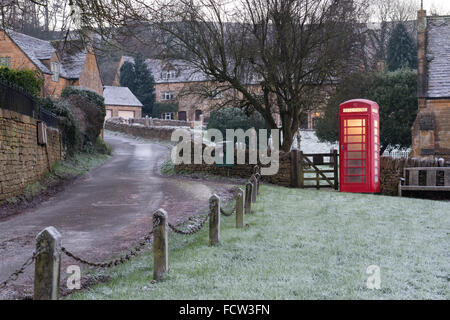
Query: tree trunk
x,y
288,137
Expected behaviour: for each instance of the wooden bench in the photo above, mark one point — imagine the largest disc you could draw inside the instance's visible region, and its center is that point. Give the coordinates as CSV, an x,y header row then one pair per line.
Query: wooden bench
x,y
412,183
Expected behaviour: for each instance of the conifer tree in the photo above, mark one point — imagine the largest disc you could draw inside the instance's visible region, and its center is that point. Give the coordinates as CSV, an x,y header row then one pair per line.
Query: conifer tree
x,y
402,51
139,79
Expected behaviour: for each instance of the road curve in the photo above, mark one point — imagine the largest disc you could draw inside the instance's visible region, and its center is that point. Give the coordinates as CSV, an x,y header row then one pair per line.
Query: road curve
x,y
104,212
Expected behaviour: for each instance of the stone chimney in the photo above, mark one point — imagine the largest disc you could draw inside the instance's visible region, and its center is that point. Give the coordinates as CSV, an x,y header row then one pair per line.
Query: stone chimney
x,y
421,55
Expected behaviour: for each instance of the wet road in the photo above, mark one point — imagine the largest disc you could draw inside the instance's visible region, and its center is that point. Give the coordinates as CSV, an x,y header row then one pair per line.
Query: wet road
x,y
106,211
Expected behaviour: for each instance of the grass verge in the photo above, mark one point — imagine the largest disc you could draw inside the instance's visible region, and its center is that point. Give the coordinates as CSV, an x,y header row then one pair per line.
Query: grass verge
x,y
302,244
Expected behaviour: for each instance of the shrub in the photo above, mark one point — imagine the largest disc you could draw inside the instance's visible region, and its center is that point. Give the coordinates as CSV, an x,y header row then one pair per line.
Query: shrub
x,y
29,80
91,95
87,109
235,118
67,124
396,94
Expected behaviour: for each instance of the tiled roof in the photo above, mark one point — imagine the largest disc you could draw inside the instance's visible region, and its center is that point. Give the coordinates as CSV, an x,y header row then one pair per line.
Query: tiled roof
x,y
438,57
35,49
183,71
120,96
71,53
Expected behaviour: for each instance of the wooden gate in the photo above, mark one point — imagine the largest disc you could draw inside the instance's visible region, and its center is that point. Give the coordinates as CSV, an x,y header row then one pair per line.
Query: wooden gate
x,y
310,170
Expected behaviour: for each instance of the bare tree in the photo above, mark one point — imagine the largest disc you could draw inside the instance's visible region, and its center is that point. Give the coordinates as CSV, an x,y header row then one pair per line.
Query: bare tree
x,y
41,18
269,56
386,14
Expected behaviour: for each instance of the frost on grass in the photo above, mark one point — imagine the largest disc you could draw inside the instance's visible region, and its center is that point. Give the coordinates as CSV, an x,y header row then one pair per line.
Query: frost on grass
x,y
303,245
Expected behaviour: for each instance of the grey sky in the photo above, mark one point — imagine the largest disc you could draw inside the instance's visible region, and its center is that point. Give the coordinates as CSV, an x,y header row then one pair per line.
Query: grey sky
x,y
441,6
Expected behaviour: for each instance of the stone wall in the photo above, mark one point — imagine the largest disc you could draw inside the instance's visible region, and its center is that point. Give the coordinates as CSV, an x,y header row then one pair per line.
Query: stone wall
x,y
392,171
22,160
161,122
90,76
282,178
431,130
160,133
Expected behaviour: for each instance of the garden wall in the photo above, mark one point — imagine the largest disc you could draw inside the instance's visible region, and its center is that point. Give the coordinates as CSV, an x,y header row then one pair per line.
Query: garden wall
x,y
153,132
392,171
22,160
160,122
282,178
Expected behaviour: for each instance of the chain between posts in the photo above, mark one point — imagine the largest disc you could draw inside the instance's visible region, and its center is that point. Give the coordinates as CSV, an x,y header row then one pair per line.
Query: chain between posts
x,y
132,253
192,231
15,275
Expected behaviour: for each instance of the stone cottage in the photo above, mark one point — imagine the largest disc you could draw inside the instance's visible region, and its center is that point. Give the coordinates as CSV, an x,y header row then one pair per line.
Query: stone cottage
x,y
121,102
431,130
60,63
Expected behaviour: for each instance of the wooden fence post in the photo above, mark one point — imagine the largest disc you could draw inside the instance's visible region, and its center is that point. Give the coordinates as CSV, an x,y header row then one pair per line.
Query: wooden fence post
x,y
336,169
254,181
160,244
295,169
258,179
248,197
300,170
214,220
240,208
47,265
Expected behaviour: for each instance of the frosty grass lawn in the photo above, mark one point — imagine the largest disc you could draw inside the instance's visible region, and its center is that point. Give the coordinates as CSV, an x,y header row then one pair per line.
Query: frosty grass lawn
x,y
303,244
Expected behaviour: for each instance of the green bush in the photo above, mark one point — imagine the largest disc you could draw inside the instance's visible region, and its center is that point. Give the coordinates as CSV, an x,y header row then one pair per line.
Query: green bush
x,y
235,118
91,95
81,115
160,108
88,109
395,93
28,80
67,124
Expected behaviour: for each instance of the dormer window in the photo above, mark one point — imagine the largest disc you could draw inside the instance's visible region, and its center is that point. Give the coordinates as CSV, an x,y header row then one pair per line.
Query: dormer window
x,y
55,67
169,75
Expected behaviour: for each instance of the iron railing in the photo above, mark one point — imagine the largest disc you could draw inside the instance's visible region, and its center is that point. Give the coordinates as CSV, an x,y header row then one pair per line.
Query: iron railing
x,y
17,99
49,118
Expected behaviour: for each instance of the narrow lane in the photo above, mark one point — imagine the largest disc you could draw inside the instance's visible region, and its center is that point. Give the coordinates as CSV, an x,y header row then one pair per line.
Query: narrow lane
x,y
106,211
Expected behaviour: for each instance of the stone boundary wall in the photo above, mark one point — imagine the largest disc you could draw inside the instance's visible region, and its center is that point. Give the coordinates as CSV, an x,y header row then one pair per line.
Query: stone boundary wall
x,y
22,160
392,171
160,133
245,171
160,122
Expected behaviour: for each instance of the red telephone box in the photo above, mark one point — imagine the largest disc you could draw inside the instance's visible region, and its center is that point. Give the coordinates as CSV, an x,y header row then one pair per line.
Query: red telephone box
x,y
359,140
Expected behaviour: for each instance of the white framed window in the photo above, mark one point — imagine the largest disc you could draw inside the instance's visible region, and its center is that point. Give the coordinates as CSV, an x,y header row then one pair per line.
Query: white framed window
x,y
169,75
5,62
168,95
168,116
55,68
